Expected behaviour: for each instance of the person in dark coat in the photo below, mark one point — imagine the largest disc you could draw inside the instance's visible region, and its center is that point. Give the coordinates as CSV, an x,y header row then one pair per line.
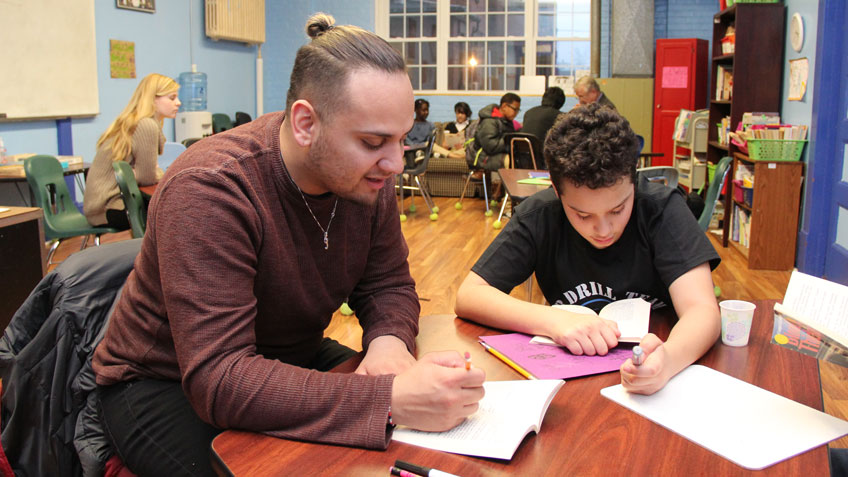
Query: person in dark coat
x,y
538,120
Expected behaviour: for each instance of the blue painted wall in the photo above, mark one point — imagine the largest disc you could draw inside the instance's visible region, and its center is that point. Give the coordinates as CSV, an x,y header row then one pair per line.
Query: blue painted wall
x,y
162,45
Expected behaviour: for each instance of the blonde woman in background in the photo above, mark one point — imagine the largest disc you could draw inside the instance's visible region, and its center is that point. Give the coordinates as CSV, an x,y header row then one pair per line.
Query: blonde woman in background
x,y
135,137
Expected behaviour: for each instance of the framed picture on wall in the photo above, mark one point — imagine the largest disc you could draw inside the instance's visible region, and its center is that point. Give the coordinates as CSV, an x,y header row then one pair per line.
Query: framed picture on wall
x,y
148,6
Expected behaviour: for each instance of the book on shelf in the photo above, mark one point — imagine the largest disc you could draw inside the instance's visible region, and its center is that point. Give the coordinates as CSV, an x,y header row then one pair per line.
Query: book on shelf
x,y
633,317
508,412
681,125
724,83
812,319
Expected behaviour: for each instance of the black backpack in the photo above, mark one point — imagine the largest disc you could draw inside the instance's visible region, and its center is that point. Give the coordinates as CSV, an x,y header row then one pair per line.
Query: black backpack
x,y
472,146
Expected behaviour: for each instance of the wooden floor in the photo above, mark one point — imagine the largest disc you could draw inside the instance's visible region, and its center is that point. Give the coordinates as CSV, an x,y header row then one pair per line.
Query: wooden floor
x,y
442,252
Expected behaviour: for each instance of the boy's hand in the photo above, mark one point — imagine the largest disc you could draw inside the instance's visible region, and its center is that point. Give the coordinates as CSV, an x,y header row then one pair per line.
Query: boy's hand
x,y
651,375
584,334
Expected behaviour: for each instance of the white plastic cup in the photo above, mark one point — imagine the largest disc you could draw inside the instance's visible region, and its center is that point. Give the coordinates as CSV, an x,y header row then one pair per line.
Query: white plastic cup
x,y
736,319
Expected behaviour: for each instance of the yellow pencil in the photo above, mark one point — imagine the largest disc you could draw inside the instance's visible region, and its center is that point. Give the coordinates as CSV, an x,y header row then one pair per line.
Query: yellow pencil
x,y
508,361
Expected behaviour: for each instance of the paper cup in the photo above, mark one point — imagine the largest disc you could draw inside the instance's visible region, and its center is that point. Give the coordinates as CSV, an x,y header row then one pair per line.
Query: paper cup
x,y
736,318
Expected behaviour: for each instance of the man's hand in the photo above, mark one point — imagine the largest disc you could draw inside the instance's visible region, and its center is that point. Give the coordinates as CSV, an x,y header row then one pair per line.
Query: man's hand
x,y
652,374
437,393
386,355
583,334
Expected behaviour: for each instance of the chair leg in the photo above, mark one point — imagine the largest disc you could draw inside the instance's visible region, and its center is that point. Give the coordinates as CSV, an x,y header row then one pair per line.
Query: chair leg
x,y
503,206
486,196
53,247
97,240
85,241
428,201
465,188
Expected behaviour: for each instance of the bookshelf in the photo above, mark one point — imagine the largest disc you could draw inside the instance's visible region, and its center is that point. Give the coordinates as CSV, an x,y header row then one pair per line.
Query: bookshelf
x,y
773,229
757,72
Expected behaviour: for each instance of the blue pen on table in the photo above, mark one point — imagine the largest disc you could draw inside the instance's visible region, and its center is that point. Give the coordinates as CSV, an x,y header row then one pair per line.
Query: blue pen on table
x,y
424,471
638,355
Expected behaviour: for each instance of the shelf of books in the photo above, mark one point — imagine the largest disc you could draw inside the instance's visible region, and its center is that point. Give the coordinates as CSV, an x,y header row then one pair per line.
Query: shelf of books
x,y
747,70
765,205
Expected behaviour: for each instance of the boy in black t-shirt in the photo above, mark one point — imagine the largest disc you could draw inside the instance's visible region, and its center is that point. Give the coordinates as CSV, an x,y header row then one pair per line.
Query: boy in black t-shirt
x,y
600,235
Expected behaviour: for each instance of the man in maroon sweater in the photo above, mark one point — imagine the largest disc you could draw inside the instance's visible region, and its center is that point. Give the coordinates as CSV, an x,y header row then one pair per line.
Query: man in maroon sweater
x,y
255,236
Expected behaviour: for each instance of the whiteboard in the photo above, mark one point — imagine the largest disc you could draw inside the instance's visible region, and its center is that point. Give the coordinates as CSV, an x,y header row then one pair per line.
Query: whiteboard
x,y
48,59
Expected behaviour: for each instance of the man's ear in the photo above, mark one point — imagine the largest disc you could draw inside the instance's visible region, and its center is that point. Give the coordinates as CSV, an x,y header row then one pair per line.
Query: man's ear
x,y
304,122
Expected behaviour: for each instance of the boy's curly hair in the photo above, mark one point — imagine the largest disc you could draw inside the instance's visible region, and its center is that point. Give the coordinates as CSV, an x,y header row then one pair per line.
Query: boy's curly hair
x,y
591,146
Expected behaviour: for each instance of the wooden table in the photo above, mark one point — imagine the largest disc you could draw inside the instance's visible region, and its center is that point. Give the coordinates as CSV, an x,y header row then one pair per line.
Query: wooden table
x,y
17,176
22,257
148,190
515,190
583,433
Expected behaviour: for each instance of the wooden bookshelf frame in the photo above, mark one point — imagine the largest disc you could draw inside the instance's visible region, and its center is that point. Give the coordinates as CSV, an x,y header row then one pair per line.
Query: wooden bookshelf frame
x,y
757,63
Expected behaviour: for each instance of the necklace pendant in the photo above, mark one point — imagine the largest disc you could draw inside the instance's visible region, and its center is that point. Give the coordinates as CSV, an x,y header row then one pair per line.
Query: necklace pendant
x,y
326,241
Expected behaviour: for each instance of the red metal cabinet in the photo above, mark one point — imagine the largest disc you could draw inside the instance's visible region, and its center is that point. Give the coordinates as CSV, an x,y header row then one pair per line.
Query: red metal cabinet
x,y
680,83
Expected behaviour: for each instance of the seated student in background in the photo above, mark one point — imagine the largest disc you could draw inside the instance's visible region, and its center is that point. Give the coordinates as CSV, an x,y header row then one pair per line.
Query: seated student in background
x,y
135,136
453,144
463,118
421,128
255,237
540,119
495,121
600,235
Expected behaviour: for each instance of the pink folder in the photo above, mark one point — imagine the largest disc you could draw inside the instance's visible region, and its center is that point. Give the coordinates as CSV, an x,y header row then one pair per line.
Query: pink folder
x,y
554,362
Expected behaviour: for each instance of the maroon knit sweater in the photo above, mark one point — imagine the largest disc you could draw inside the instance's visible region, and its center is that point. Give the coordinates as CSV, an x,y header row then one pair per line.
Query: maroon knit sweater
x,y
233,269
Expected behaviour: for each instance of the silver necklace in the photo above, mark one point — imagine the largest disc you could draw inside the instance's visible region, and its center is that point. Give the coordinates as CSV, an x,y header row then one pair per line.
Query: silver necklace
x,y
332,214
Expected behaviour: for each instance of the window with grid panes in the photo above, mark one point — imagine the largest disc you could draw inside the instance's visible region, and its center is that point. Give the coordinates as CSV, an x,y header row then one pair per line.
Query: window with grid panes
x,y
563,43
486,45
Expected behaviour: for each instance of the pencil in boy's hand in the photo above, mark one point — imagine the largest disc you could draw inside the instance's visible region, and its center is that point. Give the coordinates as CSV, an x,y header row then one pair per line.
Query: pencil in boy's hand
x,y
467,361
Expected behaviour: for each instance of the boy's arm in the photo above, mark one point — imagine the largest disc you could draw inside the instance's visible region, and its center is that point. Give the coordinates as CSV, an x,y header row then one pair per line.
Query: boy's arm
x,y
581,334
696,331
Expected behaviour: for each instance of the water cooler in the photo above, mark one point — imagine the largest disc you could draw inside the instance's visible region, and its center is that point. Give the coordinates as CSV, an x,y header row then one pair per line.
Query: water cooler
x,y
191,124
192,121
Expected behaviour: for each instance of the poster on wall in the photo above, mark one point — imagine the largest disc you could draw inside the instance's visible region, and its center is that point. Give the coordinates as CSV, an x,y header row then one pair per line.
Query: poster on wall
x,y
122,58
147,6
799,69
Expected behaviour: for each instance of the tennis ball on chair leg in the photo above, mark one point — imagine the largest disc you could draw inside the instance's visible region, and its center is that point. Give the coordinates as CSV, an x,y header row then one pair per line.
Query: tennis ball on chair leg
x,y
435,209
434,216
489,213
345,309
497,224
403,217
458,206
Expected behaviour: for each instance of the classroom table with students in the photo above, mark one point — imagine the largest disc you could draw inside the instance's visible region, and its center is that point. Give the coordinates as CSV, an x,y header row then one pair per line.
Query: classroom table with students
x,y
583,433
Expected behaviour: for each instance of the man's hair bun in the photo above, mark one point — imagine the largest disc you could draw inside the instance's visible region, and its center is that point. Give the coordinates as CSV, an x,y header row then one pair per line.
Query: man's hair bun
x,y
319,24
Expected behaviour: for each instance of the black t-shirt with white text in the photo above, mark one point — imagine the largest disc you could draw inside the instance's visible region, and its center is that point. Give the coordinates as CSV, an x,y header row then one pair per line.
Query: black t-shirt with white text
x,y
661,242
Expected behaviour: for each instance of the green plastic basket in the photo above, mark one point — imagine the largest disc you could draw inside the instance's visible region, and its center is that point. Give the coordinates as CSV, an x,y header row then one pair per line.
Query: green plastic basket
x,y
775,149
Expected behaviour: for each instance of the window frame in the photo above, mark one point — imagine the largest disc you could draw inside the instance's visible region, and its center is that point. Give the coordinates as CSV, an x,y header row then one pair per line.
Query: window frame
x,y
442,38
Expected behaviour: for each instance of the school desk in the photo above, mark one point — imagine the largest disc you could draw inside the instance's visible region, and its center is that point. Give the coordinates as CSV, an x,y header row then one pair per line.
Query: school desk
x,y
22,257
583,433
18,176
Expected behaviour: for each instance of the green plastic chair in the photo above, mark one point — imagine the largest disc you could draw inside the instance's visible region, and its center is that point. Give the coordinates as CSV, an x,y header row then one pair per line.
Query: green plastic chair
x,y
62,219
133,202
713,191
221,122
